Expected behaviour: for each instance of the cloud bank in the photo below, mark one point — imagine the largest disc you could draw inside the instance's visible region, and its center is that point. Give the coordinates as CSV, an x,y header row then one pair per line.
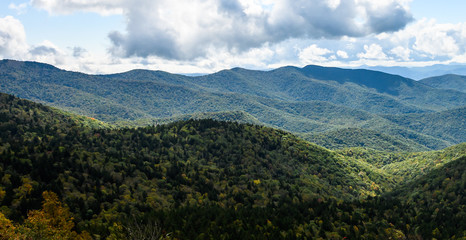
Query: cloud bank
x,y
209,35
13,44
189,29
12,37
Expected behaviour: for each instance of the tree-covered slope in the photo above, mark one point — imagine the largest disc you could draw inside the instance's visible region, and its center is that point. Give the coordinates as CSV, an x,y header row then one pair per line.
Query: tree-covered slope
x,y
404,90
437,197
449,81
103,172
227,116
221,180
357,137
449,125
363,89
405,166
432,206
371,91
301,100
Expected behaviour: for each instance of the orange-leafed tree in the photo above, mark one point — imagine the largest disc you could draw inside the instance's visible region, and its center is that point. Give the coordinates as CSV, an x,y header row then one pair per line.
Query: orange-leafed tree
x,y
52,222
7,229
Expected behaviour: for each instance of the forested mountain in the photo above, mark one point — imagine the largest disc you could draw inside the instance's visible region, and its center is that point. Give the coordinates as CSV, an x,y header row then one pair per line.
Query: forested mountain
x,y
204,179
311,100
449,81
435,197
358,137
449,125
405,166
227,116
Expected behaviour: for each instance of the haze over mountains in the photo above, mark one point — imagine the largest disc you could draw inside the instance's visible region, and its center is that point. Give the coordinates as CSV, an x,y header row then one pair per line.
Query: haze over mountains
x,y
306,101
419,73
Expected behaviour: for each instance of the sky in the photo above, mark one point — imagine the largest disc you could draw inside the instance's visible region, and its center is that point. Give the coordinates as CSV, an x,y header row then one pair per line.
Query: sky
x,y
205,36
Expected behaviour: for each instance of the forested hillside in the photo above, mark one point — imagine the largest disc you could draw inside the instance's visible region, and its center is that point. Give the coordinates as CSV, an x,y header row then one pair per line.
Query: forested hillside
x,y
449,81
311,100
209,179
358,137
449,125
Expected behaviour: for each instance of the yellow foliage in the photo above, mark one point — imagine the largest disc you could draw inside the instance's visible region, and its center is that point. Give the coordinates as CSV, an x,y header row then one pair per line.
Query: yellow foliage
x,y
7,229
117,231
2,193
25,189
393,233
52,222
269,223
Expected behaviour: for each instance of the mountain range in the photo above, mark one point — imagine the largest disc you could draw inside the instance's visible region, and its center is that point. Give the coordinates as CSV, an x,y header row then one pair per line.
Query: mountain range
x,y
418,73
311,101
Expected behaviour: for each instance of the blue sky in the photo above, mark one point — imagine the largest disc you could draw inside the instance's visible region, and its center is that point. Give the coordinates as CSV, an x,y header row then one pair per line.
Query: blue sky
x,y
192,36
446,11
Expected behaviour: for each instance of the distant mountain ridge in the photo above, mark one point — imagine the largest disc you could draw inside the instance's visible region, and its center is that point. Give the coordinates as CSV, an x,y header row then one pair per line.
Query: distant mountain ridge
x,y
305,100
418,73
449,81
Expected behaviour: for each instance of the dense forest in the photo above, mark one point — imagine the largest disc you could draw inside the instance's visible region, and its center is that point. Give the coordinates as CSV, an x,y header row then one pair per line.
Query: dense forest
x,y
63,176
316,103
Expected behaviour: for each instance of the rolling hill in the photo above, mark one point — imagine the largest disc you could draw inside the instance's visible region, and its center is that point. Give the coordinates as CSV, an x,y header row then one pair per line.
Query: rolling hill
x,y
449,81
310,100
448,125
357,137
48,136
206,178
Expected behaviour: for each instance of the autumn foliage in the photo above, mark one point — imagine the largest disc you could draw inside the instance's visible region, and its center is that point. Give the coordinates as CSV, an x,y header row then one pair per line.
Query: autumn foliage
x,y
53,221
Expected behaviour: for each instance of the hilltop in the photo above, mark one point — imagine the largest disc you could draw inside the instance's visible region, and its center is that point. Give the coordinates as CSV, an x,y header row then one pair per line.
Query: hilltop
x,y
448,81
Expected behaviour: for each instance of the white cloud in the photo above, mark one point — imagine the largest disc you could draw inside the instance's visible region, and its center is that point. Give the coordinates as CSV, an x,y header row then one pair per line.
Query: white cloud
x,y
20,9
12,38
256,7
189,29
459,59
47,52
333,4
462,30
430,39
209,35
313,54
342,54
435,39
13,44
401,52
374,51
